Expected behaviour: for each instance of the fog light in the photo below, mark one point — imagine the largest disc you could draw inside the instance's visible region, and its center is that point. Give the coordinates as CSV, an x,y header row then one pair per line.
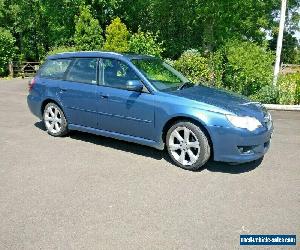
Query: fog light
x,y
246,149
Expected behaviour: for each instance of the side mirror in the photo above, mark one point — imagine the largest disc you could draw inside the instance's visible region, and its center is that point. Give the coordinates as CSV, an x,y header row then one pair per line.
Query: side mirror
x,y
134,85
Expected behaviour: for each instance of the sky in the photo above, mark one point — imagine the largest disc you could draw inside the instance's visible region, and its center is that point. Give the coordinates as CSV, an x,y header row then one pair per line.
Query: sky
x,y
297,34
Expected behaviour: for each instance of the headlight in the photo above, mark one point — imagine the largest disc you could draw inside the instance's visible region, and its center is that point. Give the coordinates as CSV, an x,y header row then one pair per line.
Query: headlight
x,y
246,122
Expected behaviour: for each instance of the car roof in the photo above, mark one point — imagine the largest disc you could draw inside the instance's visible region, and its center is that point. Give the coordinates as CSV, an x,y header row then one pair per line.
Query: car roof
x,y
104,54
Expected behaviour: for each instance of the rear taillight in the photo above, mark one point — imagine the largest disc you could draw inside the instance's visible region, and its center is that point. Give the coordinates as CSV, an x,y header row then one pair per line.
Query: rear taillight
x,y
31,84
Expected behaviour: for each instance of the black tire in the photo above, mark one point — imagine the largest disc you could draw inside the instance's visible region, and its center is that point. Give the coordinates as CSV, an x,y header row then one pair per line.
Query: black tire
x,y
204,146
63,121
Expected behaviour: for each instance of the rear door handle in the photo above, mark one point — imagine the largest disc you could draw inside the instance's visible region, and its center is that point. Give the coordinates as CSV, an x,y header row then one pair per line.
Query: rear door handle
x,y
103,96
62,90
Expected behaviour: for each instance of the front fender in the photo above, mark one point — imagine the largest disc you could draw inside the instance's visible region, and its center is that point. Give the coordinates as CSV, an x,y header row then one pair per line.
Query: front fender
x,y
206,118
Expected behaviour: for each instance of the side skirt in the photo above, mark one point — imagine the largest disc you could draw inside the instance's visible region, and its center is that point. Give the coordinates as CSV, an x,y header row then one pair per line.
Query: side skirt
x,y
129,138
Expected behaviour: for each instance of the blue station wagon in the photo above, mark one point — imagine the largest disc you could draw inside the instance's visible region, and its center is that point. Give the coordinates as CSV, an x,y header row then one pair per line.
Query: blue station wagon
x,y
142,99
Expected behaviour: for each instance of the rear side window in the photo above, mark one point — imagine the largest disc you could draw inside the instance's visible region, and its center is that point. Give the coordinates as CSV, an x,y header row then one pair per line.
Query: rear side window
x,y
54,69
83,70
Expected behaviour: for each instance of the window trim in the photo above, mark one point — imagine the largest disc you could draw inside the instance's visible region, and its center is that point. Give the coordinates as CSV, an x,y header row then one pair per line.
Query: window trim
x,y
101,75
71,65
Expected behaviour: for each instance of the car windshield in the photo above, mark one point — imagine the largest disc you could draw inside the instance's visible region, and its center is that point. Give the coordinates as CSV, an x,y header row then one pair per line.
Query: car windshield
x,y
160,74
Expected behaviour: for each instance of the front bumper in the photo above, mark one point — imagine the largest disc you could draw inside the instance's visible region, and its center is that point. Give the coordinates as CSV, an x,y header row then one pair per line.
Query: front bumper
x,y
228,142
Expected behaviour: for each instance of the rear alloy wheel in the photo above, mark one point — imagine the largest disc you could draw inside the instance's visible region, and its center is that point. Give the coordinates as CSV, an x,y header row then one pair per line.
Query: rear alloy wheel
x,y
54,120
187,145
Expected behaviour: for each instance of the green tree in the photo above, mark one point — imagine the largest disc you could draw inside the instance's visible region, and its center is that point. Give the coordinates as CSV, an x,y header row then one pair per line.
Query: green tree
x,y
290,46
117,36
205,25
7,49
27,29
248,67
57,17
104,10
145,43
178,29
40,25
88,33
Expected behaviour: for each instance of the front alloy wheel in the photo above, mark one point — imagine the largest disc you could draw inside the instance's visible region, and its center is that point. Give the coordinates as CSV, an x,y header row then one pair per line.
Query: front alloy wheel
x,y
187,145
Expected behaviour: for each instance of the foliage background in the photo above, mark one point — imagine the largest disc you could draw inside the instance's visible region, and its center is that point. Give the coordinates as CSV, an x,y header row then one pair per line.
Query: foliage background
x,y
7,49
228,44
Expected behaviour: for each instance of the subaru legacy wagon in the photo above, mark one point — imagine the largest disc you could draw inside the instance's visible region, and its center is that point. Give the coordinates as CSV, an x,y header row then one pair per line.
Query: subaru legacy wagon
x,y
142,99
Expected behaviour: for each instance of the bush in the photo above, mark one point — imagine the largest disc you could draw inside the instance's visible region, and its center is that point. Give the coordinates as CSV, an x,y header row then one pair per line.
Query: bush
x,y
169,61
289,89
287,92
7,50
267,94
145,43
88,33
193,66
117,36
247,67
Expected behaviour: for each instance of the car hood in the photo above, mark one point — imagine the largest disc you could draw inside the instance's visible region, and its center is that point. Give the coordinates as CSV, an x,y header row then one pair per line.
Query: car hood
x,y
231,102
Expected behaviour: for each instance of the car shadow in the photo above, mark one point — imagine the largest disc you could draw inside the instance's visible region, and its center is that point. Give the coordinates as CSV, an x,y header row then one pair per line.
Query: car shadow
x,y
224,167
40,125
118,145
113,143
145,151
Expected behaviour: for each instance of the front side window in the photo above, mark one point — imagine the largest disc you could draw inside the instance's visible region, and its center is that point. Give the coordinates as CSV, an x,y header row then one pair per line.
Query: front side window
x,y
116,73
160,74
83,70
54,69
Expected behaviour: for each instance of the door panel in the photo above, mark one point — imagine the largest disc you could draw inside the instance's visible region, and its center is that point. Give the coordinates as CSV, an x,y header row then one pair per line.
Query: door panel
x,y
79,101
120,110
126,112
78,92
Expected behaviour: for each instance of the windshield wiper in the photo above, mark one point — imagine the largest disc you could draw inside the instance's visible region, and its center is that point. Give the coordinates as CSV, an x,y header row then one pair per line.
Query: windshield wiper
x,y
185,84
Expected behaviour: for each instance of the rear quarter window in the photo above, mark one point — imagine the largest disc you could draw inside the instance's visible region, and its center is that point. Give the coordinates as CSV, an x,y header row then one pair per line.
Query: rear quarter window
x,y
54,69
